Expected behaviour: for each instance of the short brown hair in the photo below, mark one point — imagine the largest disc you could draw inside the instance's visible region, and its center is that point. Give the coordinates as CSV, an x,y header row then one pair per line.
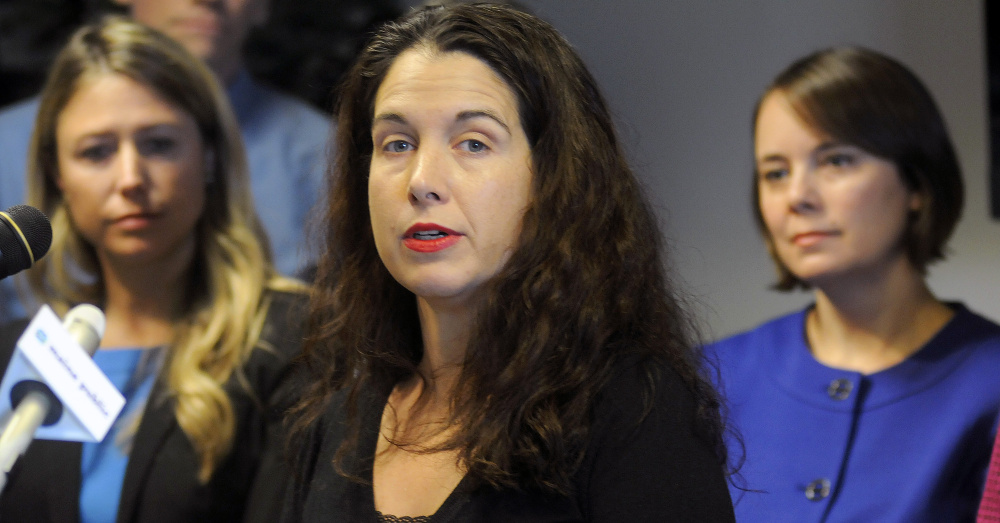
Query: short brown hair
x,y
860,97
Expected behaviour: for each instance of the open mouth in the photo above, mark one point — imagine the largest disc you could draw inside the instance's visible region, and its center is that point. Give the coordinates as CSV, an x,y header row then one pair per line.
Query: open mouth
x,y
429,235
429,238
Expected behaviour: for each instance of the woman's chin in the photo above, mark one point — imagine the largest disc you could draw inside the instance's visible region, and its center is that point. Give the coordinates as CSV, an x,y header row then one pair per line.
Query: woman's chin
x,y
448,294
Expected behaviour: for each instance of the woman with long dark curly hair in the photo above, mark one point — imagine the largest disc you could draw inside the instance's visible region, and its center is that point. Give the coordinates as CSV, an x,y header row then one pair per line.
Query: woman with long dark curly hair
x,y
493,337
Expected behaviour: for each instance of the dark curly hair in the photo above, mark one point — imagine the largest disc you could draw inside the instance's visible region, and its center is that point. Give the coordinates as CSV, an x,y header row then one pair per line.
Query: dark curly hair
x,y
584,288
860,97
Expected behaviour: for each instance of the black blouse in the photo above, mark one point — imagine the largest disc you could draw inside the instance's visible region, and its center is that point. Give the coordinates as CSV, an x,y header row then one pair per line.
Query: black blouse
x,y
636,468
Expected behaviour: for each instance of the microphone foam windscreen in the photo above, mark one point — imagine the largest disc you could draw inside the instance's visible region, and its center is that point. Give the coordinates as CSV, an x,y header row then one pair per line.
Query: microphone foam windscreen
x,y
26,239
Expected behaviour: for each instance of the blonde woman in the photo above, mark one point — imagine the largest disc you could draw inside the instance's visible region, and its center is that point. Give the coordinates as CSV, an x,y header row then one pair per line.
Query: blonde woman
x,y
137,160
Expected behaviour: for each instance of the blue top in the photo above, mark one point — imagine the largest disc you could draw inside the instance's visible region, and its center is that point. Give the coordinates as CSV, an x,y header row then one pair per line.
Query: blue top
x,y
103,464
285,141
909,443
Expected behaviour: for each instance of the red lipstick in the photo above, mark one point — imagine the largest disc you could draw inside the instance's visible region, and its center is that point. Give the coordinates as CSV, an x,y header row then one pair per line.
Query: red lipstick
x,y
429,237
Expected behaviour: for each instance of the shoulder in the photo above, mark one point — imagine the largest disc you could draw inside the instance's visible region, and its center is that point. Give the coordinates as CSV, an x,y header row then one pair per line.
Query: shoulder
x,y
278,106
280,341
646,457
18,113
967,345
632,379
643,392
284,327
781,327
970,328
16,122
284,137
331,428
761,345
284,303
318,488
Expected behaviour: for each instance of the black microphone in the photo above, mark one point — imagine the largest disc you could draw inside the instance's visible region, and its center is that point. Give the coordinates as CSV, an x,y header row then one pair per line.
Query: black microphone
x,y
25,236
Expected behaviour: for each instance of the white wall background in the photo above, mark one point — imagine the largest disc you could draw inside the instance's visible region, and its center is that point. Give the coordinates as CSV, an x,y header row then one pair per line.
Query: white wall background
x,y
682,77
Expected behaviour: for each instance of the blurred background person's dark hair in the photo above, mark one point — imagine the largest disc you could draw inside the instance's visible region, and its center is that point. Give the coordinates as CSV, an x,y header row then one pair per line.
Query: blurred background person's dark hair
x,y
302,48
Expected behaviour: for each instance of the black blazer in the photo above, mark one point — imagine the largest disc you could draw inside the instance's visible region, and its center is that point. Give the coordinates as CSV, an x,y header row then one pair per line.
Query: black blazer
x,y
161,482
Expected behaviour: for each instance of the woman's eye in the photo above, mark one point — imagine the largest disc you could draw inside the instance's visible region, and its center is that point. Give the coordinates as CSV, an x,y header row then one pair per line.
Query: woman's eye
x,y
840,160
158,146
773,174
398,146
96,153
474,146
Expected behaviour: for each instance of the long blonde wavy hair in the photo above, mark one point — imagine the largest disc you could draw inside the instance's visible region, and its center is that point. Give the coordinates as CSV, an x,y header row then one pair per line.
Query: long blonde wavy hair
x,y
227,298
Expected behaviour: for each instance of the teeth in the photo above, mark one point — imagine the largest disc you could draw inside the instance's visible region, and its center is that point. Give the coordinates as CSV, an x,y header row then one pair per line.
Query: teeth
x,y
428,235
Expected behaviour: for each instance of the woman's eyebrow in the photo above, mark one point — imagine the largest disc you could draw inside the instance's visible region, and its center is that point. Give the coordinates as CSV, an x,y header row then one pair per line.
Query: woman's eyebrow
x,y
462,116
389,117
829,144
482,113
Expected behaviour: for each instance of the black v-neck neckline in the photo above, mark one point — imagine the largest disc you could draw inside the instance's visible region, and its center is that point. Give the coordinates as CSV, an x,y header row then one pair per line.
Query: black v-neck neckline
x,y
367,445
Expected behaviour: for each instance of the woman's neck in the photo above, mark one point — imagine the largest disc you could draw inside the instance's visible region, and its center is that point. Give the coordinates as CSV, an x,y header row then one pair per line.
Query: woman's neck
x,y
445,336
870,324
420,406
142,309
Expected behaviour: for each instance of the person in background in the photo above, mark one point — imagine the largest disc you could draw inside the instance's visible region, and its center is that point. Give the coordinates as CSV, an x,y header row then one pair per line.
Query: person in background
x,y
136,157
879,401
285,138
493,336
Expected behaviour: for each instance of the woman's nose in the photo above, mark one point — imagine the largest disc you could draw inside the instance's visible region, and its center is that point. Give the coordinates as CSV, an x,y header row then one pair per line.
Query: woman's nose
x,y
428,177
131,168
802,191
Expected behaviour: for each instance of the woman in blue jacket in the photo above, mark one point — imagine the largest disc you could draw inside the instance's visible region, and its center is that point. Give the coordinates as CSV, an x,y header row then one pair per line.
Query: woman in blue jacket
x,y
879,400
